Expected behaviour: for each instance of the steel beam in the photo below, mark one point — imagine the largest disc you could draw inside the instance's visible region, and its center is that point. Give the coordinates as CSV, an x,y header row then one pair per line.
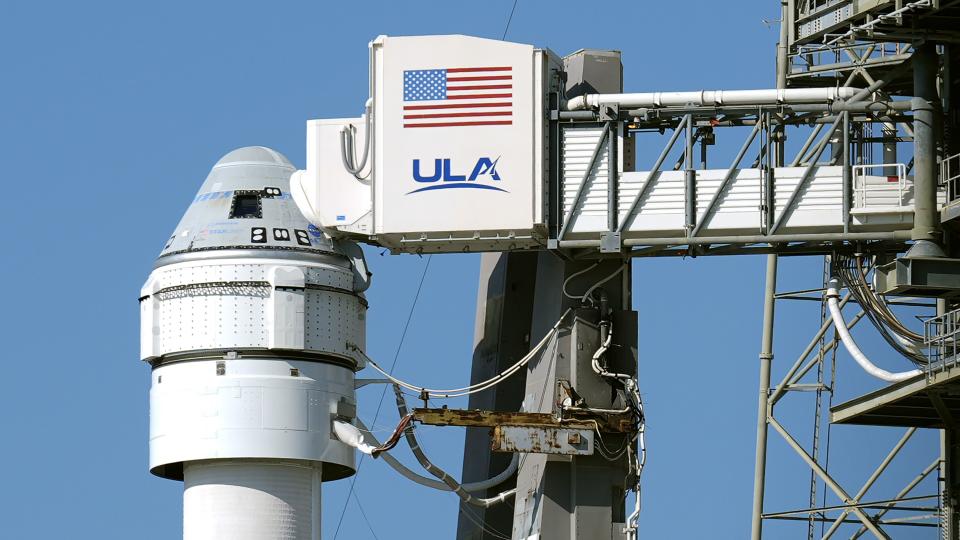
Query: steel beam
x,y
763,410
827,479
501,337
902,493
871,480
574,497
747,239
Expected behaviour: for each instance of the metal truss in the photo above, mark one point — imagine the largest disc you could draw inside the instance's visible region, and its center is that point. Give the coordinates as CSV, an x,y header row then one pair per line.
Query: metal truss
x,y
815,362
839,134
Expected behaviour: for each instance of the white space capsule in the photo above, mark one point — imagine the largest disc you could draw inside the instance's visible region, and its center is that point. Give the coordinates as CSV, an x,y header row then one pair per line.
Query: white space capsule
x,y
248,321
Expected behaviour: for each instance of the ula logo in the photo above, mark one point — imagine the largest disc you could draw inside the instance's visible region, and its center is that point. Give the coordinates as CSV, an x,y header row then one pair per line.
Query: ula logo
x,y
442,176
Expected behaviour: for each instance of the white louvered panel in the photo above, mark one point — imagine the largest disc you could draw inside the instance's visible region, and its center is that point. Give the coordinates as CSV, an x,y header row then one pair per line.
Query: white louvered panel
x,y
819,205
578,146
660,209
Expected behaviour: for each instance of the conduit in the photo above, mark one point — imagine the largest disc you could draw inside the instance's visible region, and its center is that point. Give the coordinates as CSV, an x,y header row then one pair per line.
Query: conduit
x,y
352,436
455,486
851,345
473,388
713,98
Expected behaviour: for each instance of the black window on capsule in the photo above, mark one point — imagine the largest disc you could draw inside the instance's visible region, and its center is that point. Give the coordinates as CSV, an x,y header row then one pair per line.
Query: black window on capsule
x,y
246,204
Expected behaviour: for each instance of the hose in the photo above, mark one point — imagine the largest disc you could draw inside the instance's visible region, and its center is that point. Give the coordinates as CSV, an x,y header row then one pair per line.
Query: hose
x,y
348,147
583,297
853,274
473,388
851,345
455,486
353,437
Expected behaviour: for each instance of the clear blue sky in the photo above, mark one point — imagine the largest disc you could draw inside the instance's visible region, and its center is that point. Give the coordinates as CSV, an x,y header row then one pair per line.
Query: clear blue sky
x,y
111,114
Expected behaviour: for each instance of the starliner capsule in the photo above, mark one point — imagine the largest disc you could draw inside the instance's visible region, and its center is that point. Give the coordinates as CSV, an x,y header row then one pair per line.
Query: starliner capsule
x,y
249,321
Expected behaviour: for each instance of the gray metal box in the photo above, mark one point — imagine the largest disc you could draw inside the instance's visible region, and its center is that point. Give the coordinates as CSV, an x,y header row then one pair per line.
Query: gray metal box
x,y
593,71
925,277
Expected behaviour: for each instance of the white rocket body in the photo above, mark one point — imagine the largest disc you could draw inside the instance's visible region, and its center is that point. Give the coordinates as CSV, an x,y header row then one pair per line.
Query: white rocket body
x,y
249,321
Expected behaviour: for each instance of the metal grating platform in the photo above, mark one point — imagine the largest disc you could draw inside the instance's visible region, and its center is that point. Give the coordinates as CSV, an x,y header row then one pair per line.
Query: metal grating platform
x,y
925,402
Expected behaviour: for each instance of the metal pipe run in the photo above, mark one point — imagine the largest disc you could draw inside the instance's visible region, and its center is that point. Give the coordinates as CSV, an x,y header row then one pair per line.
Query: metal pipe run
x,y
713,98
926,220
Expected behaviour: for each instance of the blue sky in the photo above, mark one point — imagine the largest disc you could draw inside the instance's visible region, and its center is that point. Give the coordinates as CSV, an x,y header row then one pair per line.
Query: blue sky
x,y
111,115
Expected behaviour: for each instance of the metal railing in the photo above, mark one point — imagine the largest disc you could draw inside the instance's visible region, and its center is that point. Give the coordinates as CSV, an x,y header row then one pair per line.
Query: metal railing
x,y
891,193
950,176
941,341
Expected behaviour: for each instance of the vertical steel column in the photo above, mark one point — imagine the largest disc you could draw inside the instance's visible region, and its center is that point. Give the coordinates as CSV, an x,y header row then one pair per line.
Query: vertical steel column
x,y
579,497
769,303
889,147
949,474
763,409
783,43
501,337
769,181
926,218
847,171
613,175
689,180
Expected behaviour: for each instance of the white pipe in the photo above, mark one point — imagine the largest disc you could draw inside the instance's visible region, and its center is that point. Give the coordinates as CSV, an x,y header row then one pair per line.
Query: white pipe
x,y
713,98
851,345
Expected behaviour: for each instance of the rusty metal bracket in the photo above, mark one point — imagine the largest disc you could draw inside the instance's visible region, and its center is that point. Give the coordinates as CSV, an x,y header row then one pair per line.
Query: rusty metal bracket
x,y
613,423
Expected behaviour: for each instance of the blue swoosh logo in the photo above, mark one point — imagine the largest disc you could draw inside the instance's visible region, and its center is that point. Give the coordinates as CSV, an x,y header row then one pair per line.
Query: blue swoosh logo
x,y
457,185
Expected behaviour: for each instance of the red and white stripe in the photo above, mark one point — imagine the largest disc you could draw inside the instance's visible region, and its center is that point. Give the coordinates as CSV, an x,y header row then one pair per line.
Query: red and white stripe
x,y
476,96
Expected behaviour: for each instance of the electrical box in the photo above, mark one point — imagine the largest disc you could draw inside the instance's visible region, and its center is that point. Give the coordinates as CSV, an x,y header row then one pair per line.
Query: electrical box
x,y
592,71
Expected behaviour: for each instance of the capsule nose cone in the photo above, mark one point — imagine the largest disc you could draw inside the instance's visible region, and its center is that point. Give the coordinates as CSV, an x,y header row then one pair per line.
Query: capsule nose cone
x,y
245,203
254,155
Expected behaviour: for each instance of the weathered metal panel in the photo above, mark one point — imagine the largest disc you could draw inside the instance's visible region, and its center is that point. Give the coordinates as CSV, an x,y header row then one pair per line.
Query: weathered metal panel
x,y
543,440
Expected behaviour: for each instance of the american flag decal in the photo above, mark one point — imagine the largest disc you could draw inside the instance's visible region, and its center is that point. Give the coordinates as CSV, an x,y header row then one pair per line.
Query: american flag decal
x,y
464,96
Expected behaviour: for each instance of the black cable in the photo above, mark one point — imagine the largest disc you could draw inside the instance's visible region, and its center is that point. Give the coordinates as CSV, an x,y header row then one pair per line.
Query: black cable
x,y
510,18
383,393
364,514
851,273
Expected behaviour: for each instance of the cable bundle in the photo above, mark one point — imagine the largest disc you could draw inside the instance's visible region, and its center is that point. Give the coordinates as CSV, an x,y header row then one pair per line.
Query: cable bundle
x,y
853,272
